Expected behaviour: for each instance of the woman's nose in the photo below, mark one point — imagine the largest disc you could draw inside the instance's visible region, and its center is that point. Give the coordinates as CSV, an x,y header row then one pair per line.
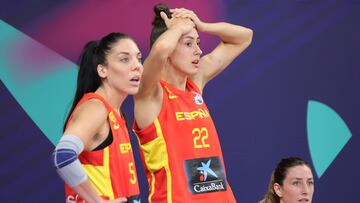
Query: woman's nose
x,y
198,50
306,189
137,65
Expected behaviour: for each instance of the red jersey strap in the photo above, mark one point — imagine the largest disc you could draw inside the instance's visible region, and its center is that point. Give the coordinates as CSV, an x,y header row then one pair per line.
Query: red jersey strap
x,y
192,86
87,97
171,90
91,95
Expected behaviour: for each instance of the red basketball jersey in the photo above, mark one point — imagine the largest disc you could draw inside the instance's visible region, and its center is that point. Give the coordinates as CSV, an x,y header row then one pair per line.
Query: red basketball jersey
x,y
111,170
181,151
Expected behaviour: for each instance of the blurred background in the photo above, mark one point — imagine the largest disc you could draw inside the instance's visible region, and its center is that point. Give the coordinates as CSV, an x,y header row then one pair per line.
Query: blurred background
x,y
293,92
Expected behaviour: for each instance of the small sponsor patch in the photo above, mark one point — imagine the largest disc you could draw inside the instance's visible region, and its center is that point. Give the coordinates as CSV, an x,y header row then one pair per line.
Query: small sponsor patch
x,y
205,175
198,98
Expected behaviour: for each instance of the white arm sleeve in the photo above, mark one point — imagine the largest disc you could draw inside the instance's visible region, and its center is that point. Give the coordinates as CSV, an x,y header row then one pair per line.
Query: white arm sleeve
x,y
65,158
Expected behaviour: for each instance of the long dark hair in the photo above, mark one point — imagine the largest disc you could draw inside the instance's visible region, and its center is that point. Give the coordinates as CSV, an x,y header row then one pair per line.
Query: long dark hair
x,y
93,54
158,23
279,175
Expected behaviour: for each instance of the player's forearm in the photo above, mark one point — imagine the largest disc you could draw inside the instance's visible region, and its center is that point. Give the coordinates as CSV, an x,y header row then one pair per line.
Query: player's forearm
x,y
228,33
167,42
87,192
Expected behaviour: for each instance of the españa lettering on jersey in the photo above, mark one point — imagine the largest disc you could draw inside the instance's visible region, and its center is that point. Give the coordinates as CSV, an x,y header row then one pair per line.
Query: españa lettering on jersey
x,y
110,170
197,114
181,151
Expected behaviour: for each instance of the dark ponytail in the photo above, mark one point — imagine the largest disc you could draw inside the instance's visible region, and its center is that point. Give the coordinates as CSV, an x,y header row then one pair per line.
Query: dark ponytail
x,y
88,79
158,23
93,54
270,195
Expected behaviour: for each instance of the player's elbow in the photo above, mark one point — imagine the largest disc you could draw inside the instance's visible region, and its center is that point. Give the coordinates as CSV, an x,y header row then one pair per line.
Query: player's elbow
x,y
248,35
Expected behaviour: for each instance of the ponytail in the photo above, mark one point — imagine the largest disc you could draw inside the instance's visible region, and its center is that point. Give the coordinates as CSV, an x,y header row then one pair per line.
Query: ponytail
x,y
270,195
158,23
93,54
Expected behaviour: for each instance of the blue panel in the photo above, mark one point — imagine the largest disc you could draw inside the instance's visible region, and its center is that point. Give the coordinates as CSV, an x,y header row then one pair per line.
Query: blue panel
x,y
327,135
302,50
46,98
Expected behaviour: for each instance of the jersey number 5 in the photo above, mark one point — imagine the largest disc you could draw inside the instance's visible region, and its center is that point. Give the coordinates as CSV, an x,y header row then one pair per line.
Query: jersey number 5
x,y
132,172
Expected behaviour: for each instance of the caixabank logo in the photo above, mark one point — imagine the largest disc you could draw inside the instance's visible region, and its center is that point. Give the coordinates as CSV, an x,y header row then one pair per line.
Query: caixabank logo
x,y
205,175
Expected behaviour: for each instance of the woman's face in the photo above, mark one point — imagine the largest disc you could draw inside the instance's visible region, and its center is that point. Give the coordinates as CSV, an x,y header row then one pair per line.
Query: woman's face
x,y
186,56
298,185
123,68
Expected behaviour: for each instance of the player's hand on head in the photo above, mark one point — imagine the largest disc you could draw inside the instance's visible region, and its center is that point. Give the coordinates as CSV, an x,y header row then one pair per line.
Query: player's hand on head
x,y
186,13
185,24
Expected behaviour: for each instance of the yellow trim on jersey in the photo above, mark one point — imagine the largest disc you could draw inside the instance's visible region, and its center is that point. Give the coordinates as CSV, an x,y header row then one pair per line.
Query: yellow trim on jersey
x,y
156,157
165,161
99,176
152,187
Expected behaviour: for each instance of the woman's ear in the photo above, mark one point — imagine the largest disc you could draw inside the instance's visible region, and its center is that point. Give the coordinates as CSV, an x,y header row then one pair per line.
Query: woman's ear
x,y
102,70
277,189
